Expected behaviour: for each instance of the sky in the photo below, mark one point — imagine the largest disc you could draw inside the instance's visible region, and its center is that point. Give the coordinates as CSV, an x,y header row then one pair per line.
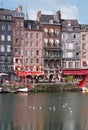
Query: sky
x,y
70,9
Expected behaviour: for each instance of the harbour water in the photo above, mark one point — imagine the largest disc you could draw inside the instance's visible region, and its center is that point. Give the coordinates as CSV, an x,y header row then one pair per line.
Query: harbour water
x,y
44,111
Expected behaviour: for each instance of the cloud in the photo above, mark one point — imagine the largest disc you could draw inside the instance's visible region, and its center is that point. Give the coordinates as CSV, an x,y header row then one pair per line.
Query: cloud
x,y
69,12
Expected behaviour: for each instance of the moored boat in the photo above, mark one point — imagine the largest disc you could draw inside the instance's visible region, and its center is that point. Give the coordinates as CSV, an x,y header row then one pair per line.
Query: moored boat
x,y
22,90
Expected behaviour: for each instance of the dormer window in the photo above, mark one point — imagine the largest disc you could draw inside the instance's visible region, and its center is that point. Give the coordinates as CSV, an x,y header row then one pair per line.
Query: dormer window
x,y
68,24
51,21
37,26
29,26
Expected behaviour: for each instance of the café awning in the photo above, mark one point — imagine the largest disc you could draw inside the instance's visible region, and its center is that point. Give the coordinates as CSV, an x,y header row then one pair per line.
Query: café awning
x,y
37,73
75,72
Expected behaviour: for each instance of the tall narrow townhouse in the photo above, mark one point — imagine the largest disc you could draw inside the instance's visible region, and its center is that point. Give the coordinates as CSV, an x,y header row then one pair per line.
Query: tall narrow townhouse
x,y
51,43
71,47
6,46
18,38
84,47
33,47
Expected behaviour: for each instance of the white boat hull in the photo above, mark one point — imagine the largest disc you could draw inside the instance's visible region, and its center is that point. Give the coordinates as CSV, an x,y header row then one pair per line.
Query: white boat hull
x,y
85,90
22,90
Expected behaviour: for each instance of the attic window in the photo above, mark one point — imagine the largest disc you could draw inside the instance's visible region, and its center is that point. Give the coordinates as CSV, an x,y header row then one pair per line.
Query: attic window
x,y
37,26
29,26
51,21
68,24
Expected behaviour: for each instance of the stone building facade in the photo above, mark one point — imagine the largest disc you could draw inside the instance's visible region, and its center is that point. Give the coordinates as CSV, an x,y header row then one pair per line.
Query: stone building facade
x,y
33,35
51,43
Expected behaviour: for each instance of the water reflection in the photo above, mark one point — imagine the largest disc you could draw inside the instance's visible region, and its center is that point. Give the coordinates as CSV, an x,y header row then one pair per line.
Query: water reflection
x,y
44,111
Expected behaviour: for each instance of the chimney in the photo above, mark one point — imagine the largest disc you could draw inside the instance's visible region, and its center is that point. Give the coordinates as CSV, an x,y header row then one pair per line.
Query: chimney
x,y
19,9
38,16
58,16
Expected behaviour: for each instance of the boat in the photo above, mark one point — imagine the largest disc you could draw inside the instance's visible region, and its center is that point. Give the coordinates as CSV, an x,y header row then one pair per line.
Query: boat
x,y
22,90
84,84
1,90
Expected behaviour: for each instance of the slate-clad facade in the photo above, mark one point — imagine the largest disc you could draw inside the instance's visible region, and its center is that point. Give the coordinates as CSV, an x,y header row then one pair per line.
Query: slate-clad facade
x,y
6,41
71,47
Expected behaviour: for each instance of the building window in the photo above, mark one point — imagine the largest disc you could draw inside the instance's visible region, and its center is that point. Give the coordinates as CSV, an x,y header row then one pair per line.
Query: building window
x,y
21,42
16,23
64,37
31,52
45,42
27,52
70,46
37,52
16,41
83,37
69,54
29,26
51,32
2,37
74,36
37,35
70,64
64,64
57,43
31,35
26,35
57,32
31,60
26,61
9,18
2,48
26,43
31,44
3,17
45,31
21,32
77,64
8,37
9,28
3,27
9,59
37,61
37,26
21,23
37,44
8,48
83,54
51,42
16,50
83,46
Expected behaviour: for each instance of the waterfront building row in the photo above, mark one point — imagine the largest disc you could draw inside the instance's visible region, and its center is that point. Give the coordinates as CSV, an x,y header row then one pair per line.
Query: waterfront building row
x,y
49,44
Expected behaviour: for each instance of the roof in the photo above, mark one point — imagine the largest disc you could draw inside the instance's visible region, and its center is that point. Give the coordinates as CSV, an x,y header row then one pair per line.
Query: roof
x,y
70,25
49,19
33,24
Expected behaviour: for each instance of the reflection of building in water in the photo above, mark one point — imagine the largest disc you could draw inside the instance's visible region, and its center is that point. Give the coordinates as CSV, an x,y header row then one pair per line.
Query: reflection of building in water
x,y
28,114
21,113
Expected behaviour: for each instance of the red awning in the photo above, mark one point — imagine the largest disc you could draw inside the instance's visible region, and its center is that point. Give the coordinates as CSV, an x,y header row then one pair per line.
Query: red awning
x,y
75,72
38,73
